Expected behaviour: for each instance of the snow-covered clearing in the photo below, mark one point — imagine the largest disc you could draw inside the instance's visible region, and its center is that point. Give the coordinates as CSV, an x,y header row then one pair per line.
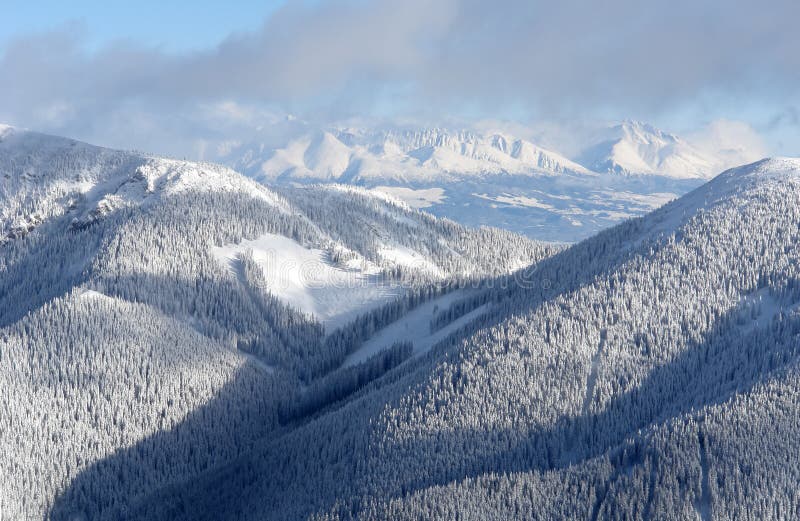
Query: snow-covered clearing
x,y
307,280
410,258
415,198
415,327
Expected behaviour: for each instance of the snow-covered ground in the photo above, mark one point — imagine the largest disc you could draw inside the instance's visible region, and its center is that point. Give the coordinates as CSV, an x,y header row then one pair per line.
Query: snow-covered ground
x,y
422,198
307,280
409,258
564,208
415,327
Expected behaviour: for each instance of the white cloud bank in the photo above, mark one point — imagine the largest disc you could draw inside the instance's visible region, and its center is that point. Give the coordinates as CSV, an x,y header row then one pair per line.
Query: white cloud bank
x,y
332,59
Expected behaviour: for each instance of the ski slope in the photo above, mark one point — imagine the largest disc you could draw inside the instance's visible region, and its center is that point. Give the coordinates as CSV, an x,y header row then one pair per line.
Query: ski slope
x,y
415,327
306,279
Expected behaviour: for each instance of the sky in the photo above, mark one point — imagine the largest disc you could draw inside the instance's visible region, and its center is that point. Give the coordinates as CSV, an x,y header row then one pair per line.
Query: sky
x,y
180,78
172,26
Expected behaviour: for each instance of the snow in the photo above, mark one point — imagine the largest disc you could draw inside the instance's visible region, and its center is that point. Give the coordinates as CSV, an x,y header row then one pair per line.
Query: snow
x,y
90,294
305,279
739,180
563,209
377,155
256,362
420,198
375,193
415,327
349,155
405,256
774,169
179,176
96,181
488,178
516,200
327,155
758,309
633,147
652,200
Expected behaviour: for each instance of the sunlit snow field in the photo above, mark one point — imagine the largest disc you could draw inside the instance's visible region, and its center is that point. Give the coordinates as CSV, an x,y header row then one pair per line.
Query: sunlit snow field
x,y
307,280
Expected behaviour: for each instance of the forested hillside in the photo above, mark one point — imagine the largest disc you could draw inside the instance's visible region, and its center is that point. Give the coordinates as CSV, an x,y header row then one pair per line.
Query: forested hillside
x,y
134,356
650,372
173,346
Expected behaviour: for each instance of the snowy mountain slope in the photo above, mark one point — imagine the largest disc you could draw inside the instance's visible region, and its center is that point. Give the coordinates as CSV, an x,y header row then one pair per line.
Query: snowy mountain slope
x,y
355,155
633,147
415,327
46,176
652,371
123,332
93,375
307,280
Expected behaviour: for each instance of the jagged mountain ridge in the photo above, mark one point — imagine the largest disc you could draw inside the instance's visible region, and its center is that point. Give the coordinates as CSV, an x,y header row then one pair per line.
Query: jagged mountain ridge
x,y
367,154
358,155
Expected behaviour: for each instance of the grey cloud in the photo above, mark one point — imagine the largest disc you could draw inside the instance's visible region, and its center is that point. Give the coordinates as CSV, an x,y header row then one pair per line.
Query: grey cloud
x,y
436,58
574,55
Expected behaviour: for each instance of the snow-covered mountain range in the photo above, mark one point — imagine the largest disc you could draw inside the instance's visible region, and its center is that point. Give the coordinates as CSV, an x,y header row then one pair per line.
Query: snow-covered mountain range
x,y
178,342
351,155
135,289
362,154
494,178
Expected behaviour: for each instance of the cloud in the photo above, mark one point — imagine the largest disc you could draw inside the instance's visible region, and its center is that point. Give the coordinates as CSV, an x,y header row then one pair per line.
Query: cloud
x,y
731,142
572,56
437,58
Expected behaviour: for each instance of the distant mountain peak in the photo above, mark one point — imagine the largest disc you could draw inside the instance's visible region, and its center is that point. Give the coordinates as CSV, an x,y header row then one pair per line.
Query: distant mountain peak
x,y
350,154
637,148
643,130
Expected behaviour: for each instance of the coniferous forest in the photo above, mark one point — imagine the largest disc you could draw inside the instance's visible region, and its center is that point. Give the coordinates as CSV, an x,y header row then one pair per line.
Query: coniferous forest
x,y
648,372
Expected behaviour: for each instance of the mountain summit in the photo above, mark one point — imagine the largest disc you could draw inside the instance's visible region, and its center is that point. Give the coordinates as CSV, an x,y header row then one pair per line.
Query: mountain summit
x,y
633,147
348,155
